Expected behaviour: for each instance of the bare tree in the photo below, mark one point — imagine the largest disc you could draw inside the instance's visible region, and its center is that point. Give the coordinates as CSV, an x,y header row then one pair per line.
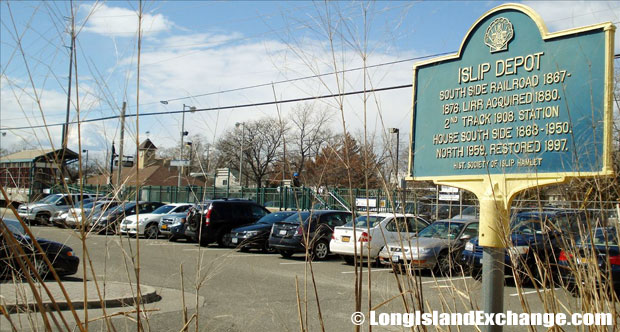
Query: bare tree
x,y
309,129
260,142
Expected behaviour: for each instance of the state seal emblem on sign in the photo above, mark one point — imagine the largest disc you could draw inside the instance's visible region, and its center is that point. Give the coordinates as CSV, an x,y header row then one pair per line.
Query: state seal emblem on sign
x,y
498,34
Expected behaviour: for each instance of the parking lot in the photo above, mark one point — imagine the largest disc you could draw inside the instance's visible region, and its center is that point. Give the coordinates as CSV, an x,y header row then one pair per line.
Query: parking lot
x,y
257,291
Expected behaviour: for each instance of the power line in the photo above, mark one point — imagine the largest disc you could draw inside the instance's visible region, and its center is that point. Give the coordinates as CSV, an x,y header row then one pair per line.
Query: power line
x,y
285,101
616,56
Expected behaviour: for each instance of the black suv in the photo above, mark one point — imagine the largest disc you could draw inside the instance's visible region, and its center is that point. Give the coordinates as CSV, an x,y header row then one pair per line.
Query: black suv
x,y
288,236
213,220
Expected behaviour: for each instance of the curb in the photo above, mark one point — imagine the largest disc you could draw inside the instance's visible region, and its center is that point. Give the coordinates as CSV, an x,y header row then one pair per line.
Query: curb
x,y
149,295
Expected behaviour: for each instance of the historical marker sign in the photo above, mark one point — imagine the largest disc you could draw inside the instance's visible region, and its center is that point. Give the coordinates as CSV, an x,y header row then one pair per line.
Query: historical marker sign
x,y
515,100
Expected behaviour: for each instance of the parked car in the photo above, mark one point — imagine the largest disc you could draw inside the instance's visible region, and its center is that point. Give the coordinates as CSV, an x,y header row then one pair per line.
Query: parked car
x,y
314,228
437,246
173,226
61,256
41,212
148,224
594,261
213,220
256,235
108,221
535,236
372,233
74,215
59,217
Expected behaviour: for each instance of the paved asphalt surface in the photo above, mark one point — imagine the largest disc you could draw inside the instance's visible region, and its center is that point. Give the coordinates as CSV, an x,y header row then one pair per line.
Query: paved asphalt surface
x,y
256,292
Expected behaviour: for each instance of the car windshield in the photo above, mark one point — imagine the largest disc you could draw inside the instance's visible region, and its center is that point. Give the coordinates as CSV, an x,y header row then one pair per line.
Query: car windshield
x,y
50,199
442,230
89,205
528,226
603,237
163,209
296,217
275,217
363,221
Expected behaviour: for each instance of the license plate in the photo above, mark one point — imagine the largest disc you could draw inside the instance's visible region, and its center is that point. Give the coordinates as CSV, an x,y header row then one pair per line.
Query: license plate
x,y
164,226
282,232
395,258
586,261
123,228
346,238
234,240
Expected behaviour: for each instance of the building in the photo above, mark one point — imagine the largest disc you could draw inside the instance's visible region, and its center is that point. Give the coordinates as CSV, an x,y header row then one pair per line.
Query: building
x,y
29,174
147,171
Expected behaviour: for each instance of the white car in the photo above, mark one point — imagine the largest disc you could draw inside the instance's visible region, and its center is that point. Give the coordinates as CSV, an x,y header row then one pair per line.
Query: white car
x,y
384,228
148,225
74,215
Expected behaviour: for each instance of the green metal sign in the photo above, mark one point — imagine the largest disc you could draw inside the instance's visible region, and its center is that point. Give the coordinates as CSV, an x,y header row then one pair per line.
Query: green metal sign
x,y
515,100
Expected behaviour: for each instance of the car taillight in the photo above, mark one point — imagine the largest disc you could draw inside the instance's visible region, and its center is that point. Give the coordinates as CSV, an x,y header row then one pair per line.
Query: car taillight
x,y
365,237
333,237
300,231
208,217
563,256
614,260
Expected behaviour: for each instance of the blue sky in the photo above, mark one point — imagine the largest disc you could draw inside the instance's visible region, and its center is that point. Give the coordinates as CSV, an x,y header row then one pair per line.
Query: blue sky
x,y
193,48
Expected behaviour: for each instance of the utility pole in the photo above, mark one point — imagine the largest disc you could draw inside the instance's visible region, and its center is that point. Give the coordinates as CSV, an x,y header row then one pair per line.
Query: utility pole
x,y
65,127
120,149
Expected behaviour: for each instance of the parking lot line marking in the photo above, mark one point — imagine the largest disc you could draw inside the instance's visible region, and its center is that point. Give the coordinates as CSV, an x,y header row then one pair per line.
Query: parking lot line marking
x,y
206,249
444,280
532,292
244,255
365,271
292,263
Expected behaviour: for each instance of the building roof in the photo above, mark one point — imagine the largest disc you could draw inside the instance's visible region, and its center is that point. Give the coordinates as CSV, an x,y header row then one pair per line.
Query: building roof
x,y
154,175
31,155
147,145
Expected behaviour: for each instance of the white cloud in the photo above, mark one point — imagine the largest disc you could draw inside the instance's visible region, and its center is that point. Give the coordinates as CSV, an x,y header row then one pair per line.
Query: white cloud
x,y
122,22
562,15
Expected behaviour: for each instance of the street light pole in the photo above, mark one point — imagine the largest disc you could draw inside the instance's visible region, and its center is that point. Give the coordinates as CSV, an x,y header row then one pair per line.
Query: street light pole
x,y
242,124
397,132
86,168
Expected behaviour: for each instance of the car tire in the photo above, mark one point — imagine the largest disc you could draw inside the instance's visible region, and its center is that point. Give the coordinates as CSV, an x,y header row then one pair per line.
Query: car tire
x,y
267,248
444,266
42,218
286,253
173,238
40,267
151,231
476,274
244,249
348,259
223,239
320,250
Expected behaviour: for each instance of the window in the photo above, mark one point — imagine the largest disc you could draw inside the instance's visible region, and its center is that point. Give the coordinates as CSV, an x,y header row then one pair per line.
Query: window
x,y
257,212
397,225
471,230
415,224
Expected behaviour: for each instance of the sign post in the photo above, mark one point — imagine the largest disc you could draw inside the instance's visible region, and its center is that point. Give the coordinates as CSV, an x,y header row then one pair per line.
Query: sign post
x,y
516,107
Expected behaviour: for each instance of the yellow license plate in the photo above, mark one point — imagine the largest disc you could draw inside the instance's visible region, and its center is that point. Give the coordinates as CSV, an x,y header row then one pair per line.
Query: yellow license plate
x,y
164,226
346,238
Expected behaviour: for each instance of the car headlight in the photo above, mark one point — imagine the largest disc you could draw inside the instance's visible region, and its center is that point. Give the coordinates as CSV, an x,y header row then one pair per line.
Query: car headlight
x,y
519,250
251,233
469,246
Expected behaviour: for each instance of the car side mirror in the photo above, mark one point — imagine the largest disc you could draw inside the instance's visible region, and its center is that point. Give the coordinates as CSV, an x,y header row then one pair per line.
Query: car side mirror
x,y
465,237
